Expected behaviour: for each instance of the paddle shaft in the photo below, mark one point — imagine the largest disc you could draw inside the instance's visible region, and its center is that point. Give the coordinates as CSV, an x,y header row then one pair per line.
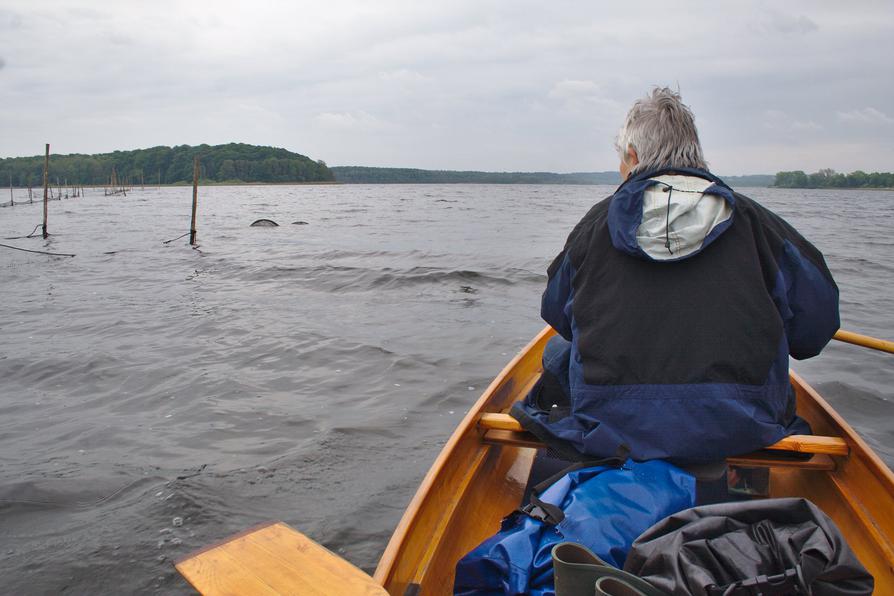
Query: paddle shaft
x,y
865,341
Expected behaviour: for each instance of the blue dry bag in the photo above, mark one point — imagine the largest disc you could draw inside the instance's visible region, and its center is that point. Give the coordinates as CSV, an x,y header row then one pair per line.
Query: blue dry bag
x,y
603,507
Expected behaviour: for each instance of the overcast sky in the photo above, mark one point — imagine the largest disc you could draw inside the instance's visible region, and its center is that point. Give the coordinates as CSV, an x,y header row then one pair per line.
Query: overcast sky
x,y
513,85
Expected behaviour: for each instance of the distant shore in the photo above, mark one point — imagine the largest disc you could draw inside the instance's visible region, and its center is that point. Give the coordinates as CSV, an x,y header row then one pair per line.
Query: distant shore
x,y
36,190
829,178
887,188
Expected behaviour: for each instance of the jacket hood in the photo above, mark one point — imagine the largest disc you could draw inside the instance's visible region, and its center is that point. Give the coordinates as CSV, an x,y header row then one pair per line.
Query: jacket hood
x,y
671,214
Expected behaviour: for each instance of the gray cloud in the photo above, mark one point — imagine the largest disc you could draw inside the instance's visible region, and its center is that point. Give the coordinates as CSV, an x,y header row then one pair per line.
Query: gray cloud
x,y
10,20
474,84
773,22
866,116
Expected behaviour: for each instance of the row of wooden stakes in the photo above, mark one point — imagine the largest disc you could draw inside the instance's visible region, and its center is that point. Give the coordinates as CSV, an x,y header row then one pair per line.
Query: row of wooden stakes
x,y
114,187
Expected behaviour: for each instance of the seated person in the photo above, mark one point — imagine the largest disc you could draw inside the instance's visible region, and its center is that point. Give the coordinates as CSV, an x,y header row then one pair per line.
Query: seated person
x,y
678,302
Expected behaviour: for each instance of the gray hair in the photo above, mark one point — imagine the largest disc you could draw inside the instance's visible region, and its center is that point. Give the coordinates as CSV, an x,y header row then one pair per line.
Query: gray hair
x,y
661,129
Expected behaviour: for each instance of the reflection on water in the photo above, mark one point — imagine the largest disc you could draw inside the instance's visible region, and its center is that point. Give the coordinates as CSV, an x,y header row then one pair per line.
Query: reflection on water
x,y
157,398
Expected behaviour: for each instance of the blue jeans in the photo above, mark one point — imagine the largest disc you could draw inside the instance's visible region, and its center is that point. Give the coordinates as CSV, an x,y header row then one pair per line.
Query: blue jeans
x,y
556,358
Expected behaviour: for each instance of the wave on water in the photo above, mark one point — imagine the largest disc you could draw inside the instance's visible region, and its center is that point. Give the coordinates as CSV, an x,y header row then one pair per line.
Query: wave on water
x,y
69,493
858,265
344,278
332,254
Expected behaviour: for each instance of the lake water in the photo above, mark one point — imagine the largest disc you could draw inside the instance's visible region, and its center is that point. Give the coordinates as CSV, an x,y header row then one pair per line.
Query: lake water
x,y
156,398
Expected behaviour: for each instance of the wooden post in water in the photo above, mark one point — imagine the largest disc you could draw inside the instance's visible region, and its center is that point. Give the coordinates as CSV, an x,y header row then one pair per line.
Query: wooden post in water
x,y
195,199
11,200
46,185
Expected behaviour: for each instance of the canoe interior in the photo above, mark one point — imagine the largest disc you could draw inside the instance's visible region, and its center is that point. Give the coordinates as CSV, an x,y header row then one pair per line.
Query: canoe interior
x,y
473,485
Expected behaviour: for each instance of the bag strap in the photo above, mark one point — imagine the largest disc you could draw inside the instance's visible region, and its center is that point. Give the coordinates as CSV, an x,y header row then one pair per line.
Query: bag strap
x,y
553,514
791,581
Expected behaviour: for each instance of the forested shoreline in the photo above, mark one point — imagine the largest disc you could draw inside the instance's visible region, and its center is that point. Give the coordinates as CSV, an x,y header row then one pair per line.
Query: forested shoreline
x,y
828,178
234,162
373,175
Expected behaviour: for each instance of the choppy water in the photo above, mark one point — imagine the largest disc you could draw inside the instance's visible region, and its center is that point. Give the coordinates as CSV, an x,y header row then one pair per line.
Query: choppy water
x,y
155,398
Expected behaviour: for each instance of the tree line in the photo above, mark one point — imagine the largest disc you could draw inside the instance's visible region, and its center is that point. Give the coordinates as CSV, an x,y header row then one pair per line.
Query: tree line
x,y
828,178
370,175
234,162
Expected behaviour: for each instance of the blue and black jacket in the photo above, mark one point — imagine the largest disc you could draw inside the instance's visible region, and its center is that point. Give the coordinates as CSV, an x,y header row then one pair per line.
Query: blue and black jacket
x,y
682,300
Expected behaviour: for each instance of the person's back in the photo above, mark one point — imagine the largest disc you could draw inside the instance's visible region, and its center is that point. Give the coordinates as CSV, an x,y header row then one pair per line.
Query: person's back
x,y
679,302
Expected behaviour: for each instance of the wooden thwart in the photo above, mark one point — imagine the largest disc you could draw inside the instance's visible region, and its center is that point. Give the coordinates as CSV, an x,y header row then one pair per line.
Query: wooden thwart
x,y
797,443
274,559
758,459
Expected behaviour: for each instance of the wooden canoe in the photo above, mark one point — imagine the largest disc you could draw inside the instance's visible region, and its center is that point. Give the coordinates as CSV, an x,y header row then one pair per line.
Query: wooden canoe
x,y
480,476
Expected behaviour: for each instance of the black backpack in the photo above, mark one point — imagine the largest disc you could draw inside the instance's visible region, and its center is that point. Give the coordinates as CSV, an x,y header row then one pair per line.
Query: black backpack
x,y
747,548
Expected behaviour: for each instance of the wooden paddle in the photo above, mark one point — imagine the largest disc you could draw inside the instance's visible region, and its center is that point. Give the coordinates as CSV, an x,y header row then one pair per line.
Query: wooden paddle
x,y
865,341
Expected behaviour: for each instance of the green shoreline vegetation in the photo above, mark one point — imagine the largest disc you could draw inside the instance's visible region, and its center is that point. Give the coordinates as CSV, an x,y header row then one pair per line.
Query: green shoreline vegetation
x,y
241,163
232,163
369,175
828,178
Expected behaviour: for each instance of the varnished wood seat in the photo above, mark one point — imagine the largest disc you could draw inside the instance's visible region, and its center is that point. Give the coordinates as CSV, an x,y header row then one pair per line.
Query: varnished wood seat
x,y
504,429
274,559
